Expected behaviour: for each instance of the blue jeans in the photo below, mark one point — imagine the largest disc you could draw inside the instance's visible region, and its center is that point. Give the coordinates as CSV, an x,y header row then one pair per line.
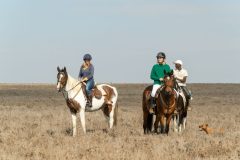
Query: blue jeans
x,y
89,86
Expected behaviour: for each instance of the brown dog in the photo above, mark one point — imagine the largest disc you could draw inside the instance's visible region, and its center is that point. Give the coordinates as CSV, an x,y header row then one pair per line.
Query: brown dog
x,y
209,130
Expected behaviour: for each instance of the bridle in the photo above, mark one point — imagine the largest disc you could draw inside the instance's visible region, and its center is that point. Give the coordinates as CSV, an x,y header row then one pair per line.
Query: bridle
x,y
65,92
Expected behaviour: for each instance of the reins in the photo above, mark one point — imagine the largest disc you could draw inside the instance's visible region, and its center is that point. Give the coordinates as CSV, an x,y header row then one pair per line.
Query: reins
x,y
66,95
73,87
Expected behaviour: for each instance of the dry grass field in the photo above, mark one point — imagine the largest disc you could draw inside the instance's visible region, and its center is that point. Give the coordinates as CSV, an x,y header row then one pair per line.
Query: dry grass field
x,y
36,124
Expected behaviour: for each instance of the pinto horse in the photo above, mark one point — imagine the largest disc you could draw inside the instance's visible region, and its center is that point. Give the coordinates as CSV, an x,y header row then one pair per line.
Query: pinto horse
x,y
180,117
166,103
73,93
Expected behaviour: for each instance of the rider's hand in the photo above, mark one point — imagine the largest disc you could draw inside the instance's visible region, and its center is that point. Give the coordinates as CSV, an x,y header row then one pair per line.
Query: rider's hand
x,y
178,79
84,79
161,79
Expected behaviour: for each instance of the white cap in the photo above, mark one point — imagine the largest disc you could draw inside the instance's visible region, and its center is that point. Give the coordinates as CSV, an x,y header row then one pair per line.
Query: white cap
x,y
178,62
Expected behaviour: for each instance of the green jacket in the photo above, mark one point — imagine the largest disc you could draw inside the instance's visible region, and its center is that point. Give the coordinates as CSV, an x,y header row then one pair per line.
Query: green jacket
x,y
158,72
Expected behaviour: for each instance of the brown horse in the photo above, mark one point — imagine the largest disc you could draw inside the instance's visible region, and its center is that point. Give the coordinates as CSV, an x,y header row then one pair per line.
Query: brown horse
x,y
166,103
147,117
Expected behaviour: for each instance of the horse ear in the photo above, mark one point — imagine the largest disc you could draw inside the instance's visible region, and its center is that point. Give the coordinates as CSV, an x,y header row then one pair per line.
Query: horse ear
x,y
64,69
207,125
58,69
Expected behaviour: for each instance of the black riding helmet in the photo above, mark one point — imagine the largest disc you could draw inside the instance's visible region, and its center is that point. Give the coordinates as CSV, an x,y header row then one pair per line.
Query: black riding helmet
x,y
161,55
87,57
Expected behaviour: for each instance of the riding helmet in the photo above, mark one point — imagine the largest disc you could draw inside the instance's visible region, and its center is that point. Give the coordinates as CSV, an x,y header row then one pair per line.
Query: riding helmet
x,y
87,57
161,55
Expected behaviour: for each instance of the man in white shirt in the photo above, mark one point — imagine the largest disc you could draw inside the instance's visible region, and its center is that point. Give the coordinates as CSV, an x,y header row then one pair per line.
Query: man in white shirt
x,y
181,75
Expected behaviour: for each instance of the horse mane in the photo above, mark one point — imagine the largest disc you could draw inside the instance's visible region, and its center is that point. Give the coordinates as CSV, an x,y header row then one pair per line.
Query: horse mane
x,y
72,82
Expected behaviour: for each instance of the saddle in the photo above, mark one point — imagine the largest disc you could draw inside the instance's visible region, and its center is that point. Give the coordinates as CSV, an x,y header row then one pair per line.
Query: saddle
x,y
96,93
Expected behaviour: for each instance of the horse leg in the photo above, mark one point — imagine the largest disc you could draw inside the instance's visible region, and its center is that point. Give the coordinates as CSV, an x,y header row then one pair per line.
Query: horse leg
x,y
145,117
168,120
184,119
162,123
175,123
115,113
82,118
105,112
181,121
111,118
184,122
74,124
156,123
178,122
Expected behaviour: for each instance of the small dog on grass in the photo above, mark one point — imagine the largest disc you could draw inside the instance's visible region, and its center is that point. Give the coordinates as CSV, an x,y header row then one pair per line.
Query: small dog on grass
x,y
208,130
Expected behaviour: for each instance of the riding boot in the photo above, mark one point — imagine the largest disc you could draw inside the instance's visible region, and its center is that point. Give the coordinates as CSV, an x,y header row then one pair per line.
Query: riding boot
x,y
89,100
186,94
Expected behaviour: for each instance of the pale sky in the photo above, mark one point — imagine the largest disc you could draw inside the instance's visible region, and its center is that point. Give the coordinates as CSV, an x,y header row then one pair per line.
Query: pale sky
x,y
123,36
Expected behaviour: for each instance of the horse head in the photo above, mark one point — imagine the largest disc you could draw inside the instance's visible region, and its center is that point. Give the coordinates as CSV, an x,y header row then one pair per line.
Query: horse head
x,y
168,83
62,78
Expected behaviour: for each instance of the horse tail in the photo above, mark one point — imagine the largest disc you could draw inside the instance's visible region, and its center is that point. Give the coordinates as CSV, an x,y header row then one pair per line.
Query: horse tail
x,y
115,114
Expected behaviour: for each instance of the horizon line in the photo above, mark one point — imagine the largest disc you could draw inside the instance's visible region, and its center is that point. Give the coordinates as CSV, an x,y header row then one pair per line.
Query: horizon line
x,y
117,83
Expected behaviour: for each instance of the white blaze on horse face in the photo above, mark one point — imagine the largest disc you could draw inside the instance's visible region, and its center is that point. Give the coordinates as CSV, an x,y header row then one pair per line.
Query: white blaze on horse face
x,y
58,83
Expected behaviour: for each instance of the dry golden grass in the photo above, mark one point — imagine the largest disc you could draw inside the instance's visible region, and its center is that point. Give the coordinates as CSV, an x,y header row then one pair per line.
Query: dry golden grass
x,y
35,124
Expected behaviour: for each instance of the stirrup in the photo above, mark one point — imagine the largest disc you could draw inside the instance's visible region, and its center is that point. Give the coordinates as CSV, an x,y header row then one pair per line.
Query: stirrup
x,y
88,104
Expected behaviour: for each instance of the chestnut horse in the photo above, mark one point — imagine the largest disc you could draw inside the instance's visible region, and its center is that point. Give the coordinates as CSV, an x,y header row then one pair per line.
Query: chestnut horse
x,y
74,95
166,102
